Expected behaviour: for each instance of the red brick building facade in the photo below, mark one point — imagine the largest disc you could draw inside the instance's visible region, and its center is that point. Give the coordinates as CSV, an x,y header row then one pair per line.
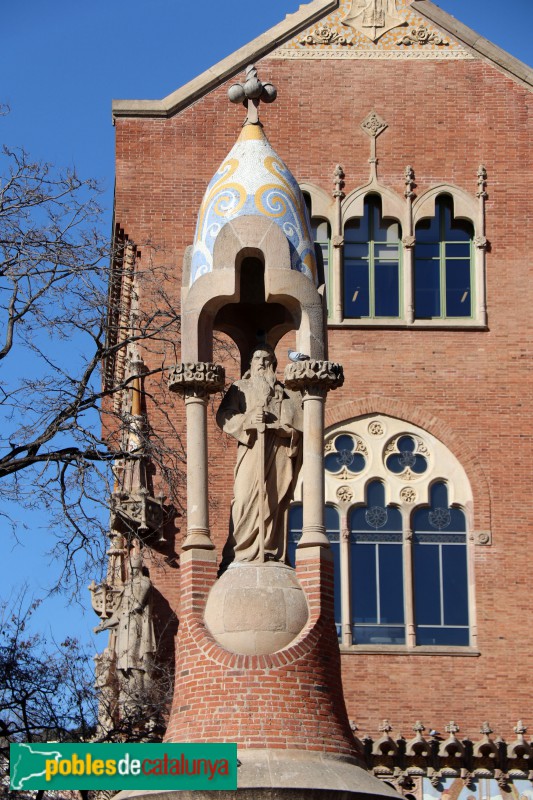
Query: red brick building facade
x,y
425,233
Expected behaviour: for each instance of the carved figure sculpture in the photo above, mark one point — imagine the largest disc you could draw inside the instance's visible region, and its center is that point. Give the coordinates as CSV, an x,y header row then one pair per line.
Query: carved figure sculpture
x,y
135,640
267,421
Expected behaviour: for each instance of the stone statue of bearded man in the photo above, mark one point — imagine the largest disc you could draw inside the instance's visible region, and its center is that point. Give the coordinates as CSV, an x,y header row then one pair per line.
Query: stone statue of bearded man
x,y
260,406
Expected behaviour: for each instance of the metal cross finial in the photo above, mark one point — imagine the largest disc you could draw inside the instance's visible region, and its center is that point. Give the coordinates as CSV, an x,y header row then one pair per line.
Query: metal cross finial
x,y
250,93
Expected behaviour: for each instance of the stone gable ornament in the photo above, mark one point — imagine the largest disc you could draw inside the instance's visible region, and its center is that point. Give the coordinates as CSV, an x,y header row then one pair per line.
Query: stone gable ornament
x,y
373,18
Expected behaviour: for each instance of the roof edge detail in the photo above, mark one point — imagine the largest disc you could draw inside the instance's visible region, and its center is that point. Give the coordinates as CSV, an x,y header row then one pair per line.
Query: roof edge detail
x,y
476,43
229,66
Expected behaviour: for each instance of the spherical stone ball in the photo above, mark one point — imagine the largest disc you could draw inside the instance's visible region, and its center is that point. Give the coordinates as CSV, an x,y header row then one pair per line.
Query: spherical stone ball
x,y
256,609
236,93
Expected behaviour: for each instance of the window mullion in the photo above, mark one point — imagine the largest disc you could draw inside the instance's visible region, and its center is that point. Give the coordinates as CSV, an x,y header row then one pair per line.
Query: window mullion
x,y
441,586
378,588
371,280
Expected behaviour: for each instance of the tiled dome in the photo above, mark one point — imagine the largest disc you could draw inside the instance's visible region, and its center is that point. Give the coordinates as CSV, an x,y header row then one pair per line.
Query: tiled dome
x,y
253,181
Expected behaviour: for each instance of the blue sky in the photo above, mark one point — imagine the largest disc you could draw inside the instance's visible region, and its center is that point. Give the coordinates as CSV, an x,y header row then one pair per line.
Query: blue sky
x,y
61,63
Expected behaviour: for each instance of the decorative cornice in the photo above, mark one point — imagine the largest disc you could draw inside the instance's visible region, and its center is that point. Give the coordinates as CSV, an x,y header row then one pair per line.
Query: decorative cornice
x,y
373,55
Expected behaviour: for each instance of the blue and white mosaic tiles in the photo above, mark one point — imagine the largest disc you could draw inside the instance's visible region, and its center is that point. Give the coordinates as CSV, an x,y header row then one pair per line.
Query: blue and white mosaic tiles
x,y
254,181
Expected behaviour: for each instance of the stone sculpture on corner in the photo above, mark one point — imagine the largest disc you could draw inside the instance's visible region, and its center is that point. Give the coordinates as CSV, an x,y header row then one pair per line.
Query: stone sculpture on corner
x,y
135,639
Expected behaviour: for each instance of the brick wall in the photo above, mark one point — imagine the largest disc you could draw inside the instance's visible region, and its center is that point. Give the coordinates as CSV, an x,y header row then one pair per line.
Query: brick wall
x,y
471,388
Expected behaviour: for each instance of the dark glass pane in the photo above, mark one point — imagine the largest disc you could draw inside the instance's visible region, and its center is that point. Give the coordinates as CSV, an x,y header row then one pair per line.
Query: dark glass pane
x,y
294,530
335,552
394,520
396,463
354,250
458,290
331,519
375,495
344,442
427,251
356,230
357,463
356,289
325,256
427,584
332,462
386,252
391,584
427,230
364,588
443,636
406,444
460,230
387,289
444,208
296,512
380,634
457,520
458,250
427,289
439,494
437,517
455,585
358,519
320,230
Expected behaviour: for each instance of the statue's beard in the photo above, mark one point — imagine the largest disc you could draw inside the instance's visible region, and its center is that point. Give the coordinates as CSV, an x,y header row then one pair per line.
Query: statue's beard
x,y
264,382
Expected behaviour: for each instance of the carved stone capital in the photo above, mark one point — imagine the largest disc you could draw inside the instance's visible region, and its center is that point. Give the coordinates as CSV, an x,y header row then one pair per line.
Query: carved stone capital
x,y
409,241
313,376
481,242
337,240
196,379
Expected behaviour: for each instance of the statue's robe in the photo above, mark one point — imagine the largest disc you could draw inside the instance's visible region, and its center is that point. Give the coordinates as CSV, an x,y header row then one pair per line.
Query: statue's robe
x,y
135,641
282,454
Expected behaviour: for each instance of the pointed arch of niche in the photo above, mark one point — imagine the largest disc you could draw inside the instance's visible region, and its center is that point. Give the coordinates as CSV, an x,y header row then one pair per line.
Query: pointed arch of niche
x,y
399,502
252,285
337,210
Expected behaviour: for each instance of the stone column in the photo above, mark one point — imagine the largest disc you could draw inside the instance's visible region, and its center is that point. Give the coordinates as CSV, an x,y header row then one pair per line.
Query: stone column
x,y
195,382
313,379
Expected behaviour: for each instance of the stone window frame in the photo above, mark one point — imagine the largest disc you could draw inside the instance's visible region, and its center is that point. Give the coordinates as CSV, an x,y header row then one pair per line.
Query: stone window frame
x,y
407,493
407,211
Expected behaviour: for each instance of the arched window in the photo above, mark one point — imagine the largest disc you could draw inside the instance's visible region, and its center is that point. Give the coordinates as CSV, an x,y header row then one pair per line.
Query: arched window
x,y
443,279
397,510
372,264
376,570
440,572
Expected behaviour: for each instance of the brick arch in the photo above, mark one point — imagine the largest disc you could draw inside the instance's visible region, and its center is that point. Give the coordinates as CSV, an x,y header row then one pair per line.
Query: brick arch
x,y
359,407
